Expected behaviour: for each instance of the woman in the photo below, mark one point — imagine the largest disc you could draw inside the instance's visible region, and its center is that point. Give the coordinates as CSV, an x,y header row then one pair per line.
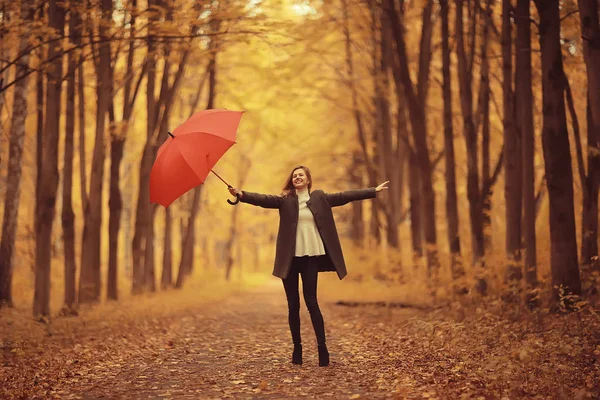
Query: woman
x,y
307,242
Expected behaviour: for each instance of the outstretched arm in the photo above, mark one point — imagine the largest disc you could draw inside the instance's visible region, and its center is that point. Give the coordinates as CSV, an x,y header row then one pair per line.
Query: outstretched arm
x,y
341,198
257,199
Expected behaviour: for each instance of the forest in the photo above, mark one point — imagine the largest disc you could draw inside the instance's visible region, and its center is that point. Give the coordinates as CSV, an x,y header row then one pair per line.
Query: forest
x,y
475,275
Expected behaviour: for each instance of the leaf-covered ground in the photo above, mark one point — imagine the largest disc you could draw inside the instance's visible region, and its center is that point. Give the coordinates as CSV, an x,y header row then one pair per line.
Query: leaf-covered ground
x,y
240,348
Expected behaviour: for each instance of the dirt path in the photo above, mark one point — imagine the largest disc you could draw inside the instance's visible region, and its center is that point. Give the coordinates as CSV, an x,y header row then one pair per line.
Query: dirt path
x,y
241,348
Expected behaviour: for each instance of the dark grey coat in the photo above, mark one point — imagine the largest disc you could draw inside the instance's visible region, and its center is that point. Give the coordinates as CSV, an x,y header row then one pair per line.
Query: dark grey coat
x,y
320,204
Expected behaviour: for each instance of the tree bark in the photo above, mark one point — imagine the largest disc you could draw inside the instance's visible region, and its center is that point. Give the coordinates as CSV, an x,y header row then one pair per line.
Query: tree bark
x,y
512,159
524,110
115,204
89,281
48,175
143,210
187,254
456,266
590,31
117,144
149,270
15,157
416,212
68,215
474,193
387,149
357,232
557,157
377,160
589,226
416,100
166,279
360,129
483,116
39,133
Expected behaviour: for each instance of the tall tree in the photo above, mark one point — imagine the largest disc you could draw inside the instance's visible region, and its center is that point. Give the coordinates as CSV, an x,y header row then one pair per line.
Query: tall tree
x,y
363,157
524,124
158,114
15,152
416,98
4,51
474,193
189,241
388,150
483,118
166,279
48,174
89,281
68,216
142,216
374,174
512,156
456,266
557,156
117,144
590,32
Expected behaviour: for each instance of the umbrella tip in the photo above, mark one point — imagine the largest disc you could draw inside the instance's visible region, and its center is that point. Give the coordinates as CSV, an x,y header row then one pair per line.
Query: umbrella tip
x,y
170,134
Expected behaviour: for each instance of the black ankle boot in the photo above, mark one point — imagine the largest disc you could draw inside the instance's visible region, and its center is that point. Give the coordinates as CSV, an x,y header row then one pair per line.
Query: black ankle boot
x,y
297,354
323,356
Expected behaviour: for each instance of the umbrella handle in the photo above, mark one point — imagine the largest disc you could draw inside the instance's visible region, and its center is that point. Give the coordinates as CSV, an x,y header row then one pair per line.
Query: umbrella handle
x,y
237,198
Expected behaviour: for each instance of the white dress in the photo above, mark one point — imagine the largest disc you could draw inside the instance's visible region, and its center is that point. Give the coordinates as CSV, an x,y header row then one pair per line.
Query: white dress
x,y
308,239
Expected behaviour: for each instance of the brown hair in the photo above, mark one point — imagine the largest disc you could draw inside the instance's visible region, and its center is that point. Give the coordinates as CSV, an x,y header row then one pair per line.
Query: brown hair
x,y
288,187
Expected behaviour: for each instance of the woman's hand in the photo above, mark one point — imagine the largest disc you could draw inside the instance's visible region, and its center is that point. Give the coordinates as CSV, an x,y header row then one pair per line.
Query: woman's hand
x,y
382,186
235,192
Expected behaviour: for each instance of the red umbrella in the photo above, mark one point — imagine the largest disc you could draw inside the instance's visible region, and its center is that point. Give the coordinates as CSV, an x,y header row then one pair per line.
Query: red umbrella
x,y
189,154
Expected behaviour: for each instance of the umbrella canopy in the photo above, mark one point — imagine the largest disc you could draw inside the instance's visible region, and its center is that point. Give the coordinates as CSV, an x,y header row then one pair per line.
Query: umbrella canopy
x,y
190,153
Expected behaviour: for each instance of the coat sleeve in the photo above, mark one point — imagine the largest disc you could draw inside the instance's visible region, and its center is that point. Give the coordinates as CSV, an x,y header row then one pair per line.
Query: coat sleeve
x,y
261,200
341,198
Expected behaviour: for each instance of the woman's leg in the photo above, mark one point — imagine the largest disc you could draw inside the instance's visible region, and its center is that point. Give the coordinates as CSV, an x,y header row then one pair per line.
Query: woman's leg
x,y
290,284
310,273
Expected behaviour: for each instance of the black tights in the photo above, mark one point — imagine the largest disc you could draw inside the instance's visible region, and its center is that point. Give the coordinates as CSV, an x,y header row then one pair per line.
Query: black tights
x,y
308,268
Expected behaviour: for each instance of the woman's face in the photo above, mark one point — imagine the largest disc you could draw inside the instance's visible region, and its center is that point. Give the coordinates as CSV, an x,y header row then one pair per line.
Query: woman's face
x,y
299,179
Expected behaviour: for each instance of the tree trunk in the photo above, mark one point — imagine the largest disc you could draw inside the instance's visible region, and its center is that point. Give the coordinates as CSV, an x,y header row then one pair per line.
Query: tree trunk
x,y
456,267
416,212
142,214
68,216
589,226
590,28
115,204
557,157
117,144
416,99
474,193
187,254
484,117
89,282
48,175
385,134
524,109
360,129
158,114
377,160
13,179
229,243
166,279
149,269
39,129
512,159
357,232
81,116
